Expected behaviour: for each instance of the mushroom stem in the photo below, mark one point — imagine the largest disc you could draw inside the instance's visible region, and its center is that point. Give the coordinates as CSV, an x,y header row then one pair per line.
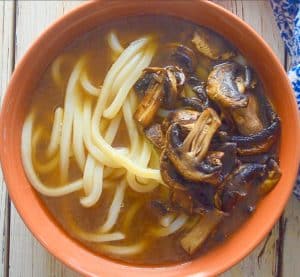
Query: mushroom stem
x,y
200,232
149,105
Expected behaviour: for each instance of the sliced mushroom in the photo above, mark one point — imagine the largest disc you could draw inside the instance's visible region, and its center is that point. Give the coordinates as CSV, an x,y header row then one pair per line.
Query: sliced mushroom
x,y
227,82
187,153
237,186
161,87
184,56
258,158
169,174
183,117
272,178
155,134
173,85
192,102
258,148
224,85
195,238
258,143
192,197
227,85
203,197
199,88
212,45
212,162
229,160
149,105
247,119
143,83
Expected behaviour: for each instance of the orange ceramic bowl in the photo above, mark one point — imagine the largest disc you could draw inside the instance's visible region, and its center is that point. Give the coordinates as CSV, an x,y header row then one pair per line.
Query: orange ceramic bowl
x,y
87,17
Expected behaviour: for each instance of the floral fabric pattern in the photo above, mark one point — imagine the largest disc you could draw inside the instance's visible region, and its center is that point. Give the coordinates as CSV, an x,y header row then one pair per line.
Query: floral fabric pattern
x,y
287,15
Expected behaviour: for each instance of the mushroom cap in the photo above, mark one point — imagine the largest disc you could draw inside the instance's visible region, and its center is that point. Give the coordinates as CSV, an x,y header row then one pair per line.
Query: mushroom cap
x,y
211,45
222,86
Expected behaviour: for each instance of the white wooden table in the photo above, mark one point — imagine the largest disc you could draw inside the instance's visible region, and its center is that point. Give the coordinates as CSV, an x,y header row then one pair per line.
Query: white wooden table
x,y
21,255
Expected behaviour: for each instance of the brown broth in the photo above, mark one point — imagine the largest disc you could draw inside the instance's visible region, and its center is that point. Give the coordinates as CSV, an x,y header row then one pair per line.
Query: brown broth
x,y
68,209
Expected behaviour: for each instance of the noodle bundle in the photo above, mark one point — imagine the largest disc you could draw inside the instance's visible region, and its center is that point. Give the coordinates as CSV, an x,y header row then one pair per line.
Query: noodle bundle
x,y
73,135
72,123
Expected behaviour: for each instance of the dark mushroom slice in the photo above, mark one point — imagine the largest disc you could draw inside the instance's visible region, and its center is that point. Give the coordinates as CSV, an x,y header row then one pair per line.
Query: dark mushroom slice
x,y
155,134
271,115
195,238
149,105
228,122
192,197
143,83
247,119
173,86
197,199
212,162
184,56
187,153
224,85
179,195
203,197
260,137
260,142
256,158
258,148
255,144
272,178
199,88
183,117
192,102
229,160
238,185
169,174
172,78
211,45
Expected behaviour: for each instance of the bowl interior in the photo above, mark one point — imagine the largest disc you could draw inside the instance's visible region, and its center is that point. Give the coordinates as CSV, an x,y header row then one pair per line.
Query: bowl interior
x,y
85,18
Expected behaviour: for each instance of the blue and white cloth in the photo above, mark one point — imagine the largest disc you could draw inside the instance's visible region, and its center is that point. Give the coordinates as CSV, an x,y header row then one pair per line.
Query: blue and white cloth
x,y
287,15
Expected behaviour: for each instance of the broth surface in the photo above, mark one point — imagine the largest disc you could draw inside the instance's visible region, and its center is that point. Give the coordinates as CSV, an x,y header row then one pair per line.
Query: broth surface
x,y
137,217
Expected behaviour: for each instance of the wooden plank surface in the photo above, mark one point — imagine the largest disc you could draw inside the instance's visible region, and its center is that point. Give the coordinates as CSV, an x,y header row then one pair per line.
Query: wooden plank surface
x,y
291,239
6,66
290,229
26,256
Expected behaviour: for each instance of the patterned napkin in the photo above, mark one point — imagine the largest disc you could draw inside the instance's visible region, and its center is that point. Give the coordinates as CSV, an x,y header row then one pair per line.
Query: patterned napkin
x,y
287,15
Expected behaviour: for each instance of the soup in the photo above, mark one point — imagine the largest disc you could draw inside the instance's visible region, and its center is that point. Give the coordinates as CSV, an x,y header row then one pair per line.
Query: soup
x,y
150,140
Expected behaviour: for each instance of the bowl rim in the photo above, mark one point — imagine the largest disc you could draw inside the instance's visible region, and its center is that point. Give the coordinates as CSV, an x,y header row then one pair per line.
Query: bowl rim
x,y
31,226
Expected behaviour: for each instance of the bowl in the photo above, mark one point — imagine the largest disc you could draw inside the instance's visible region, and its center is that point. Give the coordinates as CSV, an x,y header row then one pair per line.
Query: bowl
x,y
86,17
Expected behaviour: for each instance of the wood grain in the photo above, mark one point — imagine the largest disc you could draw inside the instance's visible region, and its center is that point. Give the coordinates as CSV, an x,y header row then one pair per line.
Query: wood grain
x,y
26,256
291,239
6,67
